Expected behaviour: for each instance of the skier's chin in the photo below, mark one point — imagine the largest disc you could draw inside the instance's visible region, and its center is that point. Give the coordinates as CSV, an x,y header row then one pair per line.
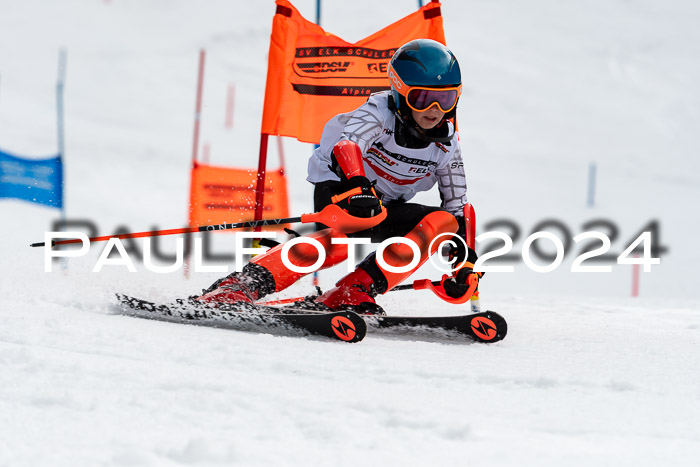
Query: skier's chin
x,y
428,123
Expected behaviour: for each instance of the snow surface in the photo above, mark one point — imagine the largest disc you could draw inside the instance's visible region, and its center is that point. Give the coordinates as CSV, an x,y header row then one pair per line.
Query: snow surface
x,y
587,374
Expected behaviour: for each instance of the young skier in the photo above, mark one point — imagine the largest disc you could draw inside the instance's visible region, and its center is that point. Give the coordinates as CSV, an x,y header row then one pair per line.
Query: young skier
x,y
376,158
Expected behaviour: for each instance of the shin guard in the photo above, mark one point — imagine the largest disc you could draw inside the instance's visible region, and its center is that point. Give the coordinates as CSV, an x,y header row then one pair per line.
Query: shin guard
x,y
400,254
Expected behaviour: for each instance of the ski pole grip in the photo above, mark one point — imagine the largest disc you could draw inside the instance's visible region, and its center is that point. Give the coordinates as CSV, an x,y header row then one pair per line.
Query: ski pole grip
x,y
439,289
422,284
336,218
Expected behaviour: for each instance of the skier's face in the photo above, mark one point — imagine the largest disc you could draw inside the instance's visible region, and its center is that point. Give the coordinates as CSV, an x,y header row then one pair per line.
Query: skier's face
x,y
429,118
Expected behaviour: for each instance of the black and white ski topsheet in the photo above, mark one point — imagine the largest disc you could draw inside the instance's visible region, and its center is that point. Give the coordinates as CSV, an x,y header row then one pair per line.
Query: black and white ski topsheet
x,y
487,326
343,325
347,326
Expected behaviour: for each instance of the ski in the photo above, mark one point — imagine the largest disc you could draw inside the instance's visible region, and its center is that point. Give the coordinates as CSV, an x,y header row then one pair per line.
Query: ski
x,y
486,326
346,326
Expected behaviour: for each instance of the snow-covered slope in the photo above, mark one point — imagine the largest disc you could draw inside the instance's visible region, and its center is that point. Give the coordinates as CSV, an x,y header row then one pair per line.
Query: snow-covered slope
x,y
586,376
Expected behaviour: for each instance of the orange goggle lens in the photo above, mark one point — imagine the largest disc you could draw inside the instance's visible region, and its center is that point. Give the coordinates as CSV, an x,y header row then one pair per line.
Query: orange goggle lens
x,y
421,99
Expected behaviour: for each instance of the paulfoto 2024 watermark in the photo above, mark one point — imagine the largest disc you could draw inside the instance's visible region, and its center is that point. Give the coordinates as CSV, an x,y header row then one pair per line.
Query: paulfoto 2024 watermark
x,y
644,242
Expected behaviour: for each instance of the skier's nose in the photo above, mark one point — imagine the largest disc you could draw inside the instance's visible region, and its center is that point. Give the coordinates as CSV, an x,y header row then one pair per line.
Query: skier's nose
x,y
434,112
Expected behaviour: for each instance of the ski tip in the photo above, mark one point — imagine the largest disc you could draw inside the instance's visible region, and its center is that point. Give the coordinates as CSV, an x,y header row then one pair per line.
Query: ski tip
x,y
348,326
489,327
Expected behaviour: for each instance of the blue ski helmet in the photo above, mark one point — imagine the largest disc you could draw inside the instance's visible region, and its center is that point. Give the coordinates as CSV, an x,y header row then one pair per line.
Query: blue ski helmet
x,y
424,63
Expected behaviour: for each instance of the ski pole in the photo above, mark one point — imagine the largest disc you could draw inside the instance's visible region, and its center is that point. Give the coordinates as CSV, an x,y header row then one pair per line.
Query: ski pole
x,y
332,216
420,284
411,286
438,289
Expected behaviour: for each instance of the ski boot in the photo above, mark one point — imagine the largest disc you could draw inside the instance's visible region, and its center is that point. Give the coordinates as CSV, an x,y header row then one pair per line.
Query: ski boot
x,y
354,292
252,283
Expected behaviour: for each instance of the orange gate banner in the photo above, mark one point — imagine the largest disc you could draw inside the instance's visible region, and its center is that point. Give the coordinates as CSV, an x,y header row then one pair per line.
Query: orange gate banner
x,y
313,75
225,194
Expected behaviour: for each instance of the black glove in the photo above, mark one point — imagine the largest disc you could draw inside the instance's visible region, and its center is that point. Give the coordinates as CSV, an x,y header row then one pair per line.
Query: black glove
x,y
457,285
358,198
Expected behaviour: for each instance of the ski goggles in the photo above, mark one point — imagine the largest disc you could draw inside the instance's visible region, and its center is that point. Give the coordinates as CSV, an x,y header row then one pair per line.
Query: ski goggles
x,y
421,98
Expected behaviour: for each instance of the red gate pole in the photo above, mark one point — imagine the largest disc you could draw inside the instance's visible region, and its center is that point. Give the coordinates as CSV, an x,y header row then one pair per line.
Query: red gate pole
x,y
260,184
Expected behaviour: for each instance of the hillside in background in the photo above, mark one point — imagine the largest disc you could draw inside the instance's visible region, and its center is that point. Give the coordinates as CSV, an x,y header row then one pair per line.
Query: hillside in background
x,y
548,91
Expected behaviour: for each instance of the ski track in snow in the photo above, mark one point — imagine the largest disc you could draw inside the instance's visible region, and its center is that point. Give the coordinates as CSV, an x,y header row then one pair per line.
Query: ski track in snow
x,y
586,375
140,392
